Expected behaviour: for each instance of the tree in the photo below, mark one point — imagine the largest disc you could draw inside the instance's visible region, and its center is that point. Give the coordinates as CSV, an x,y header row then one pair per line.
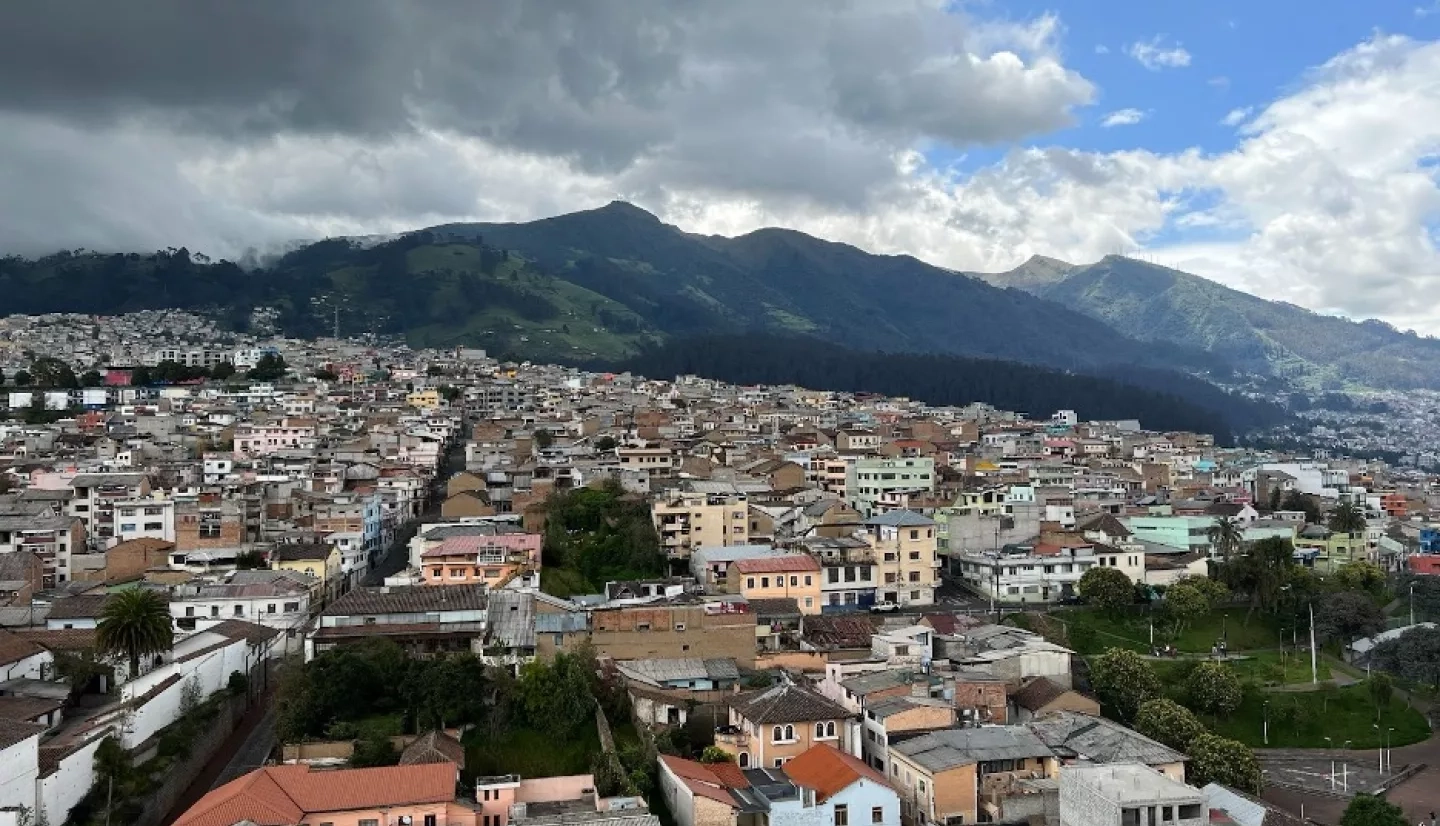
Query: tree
x,y
1275,498
324,374
1214,759
135,623
270,367
1262,572
1191,598
1414,655
543,438
1346,518
713,754
1106,588
1372,810
53,374
1168,722
1226,536
1346,616
1124,681
1214,688
222,371
251,561
1297,501
558,696
142,377
1360,576
1381,688
91,378
605,444
23,378
372,751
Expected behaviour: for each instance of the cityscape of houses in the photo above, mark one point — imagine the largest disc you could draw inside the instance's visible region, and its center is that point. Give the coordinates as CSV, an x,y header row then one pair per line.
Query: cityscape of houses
x,y
853,549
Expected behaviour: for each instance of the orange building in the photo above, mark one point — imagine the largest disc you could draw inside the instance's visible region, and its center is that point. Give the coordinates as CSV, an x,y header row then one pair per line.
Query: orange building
x,y
794,576
285,795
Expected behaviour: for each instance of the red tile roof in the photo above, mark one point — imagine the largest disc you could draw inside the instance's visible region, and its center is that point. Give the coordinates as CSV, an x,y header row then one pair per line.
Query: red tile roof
x,y
281,795
829,771
777,564
710,780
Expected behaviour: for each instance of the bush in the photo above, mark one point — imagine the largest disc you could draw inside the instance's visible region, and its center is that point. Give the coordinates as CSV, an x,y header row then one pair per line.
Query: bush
x,y
372,752
1214,688
1168,722
1123,680
237,684
715,754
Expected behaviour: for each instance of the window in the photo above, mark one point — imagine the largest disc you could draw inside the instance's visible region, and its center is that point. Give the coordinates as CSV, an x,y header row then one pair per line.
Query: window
x,y
842,815
1167,813
292,607
764,582
777,734
914,534
819,729
794,581
154,526
877,814
369,821
239,610
779,762
127,527
749,582
214,610
430,820
807,580
744,760
270,609
809,602
679,626
189,610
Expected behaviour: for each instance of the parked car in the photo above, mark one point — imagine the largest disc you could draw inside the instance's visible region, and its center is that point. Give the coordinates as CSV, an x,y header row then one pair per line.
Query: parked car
x,y
886,607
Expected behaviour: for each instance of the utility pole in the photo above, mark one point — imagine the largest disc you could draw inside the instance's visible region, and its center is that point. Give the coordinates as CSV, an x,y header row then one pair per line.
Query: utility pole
x,y
1412,602
1314,667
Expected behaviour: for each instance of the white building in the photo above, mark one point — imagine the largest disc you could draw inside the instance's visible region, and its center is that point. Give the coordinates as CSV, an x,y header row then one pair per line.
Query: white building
x,y
150,517
1127,794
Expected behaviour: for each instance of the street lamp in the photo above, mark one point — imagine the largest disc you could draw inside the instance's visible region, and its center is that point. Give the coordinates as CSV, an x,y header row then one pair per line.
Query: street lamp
x,y
1412,602
1331,746
1266,725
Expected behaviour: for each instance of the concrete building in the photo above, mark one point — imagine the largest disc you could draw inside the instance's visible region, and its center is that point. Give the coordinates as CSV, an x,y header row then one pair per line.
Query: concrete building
x,y
870,481
906,557
686,521
1127,794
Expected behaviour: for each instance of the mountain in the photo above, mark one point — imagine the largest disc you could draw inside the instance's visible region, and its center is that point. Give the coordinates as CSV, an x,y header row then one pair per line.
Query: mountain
x,y
784,281
1158,304
948,380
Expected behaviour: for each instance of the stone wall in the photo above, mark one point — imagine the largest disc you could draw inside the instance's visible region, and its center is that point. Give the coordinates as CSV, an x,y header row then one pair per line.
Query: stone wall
x,y
182,773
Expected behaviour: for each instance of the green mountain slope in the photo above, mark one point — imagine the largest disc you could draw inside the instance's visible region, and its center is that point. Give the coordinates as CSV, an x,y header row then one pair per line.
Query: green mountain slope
x,y
783,281
1154,303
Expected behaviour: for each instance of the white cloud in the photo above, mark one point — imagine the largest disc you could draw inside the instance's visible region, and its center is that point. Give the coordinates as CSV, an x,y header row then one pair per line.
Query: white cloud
x,y
1156,54
1426,11
1101,48
1123,117
1325,202
1235,117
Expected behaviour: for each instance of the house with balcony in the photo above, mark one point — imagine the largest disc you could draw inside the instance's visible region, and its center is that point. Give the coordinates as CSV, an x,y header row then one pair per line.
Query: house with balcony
x,y
791,576
688,520
940,775
490,559
773,726
907,559
51,538
96,496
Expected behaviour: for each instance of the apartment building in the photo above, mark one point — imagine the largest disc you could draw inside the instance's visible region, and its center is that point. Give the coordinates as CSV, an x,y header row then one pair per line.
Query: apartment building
x,y
686,521
870,482
96,495
263,438
152,517
907,560
1128,794
792,576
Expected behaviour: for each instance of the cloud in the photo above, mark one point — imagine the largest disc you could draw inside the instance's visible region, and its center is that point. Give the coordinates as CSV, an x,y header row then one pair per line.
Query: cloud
x,y
1123,117
296,121
1101,48
1155,54
1235,117
1426,11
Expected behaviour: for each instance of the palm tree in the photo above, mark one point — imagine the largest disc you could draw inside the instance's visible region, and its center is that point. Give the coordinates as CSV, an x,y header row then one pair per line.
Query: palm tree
x,y
135,623
1347,519
1226,536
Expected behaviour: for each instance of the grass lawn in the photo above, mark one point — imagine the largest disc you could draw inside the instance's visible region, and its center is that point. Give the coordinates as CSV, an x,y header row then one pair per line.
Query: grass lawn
x,y
530,753
1264,668
1341,714
1093,632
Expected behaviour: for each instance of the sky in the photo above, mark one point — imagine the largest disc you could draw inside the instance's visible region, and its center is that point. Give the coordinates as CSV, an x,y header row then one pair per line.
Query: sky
x,y
1284,148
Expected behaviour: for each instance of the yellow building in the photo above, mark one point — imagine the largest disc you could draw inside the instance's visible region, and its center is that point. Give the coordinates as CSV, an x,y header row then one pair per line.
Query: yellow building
x,y
771,727
907,558
794,576
319,560
424,399
686,521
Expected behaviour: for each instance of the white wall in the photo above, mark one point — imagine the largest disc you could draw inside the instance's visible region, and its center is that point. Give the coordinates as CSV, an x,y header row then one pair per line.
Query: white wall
x,y
212,669
678,797
19,767
60,791
30,668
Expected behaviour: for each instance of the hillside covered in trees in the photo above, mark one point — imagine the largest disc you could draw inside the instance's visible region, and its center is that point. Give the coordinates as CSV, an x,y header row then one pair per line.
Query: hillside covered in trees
x,y
1178,404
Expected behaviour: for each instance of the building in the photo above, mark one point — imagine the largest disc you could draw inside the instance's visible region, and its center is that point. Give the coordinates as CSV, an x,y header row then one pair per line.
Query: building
x,y
940,775
792,576
320,560
493,559
871,482
1128,795
421,618
678,628
1088,739
150,518
421,794
686,521
1028,573
271,599
822,787
773,726
907,560
1042,695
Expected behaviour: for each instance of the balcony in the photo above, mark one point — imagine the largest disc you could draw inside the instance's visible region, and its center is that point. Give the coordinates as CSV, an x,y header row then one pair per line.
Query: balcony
x,y
731,737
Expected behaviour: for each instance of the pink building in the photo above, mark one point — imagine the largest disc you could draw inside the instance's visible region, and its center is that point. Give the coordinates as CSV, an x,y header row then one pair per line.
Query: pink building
x,y
507,796
491,559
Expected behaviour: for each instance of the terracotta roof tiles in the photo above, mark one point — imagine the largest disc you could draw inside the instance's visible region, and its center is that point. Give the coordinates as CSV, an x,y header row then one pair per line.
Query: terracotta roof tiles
x,y
829,771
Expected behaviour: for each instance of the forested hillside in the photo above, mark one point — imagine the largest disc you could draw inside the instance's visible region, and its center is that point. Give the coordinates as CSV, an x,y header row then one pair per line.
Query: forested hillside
x,y
1180,404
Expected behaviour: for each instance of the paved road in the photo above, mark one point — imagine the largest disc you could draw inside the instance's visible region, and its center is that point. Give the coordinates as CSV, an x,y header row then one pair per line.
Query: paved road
x,y
248,740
